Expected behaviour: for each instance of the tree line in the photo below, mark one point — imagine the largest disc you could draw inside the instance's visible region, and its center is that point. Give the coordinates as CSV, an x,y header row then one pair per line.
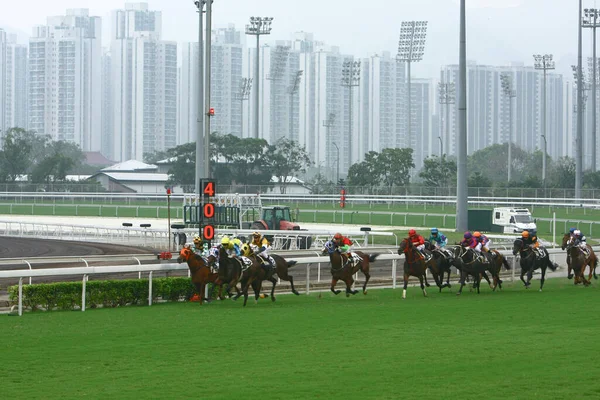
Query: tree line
x,y
237,161
37,157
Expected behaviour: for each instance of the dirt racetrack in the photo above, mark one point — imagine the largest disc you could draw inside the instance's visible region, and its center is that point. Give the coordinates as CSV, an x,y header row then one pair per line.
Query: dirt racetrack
x,y
27,247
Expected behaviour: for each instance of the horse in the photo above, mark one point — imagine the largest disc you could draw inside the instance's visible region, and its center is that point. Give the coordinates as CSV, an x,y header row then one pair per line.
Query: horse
x,y
467,261
199,271
415,265
442,263
591,261
341,269
281,268
253,276
496,261
530,262
230,272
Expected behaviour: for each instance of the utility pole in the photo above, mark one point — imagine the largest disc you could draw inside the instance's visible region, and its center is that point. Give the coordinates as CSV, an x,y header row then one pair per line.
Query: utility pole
x,y
243,95
207,80
591,21
200,171
258,26
350,79
462,196
507,87
293,90
544,63
411,47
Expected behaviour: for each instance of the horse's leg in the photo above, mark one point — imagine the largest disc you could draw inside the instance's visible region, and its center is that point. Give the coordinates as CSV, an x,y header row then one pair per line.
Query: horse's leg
x,y
365,271
284,275
202,289
405,284
349,282
333,283
543,277
274,282
421,277
448,278
463,277
529,277
523,272
477,279
256,286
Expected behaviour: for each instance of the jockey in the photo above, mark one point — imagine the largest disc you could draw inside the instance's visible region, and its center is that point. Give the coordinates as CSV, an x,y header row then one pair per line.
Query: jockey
x,y
437,238
343,244
232,246
260,246
199,248
419,242
580,240
483,243
530,239
468,240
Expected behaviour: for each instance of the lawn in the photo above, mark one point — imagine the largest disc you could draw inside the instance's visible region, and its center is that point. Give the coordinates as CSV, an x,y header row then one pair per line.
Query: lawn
x,y
512,344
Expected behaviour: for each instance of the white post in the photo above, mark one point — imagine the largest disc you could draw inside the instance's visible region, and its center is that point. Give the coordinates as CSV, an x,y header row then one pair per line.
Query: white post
x,y
83,293
554,229
394,267
20,296
307,278
150,288
319,273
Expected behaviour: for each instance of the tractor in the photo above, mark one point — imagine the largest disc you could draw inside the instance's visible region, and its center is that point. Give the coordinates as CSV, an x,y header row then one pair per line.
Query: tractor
x,y
278,218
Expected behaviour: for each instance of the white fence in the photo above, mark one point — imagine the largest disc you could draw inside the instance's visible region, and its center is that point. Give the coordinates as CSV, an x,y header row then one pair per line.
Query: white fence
x,y
158,238
85,272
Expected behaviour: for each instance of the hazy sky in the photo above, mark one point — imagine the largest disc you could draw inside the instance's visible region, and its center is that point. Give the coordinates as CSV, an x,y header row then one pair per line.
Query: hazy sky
x,y
498,31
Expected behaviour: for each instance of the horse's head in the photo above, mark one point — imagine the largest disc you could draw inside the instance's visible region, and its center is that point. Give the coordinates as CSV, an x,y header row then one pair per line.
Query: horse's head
x,y
405,246
565,240
184,255
429,246
517,246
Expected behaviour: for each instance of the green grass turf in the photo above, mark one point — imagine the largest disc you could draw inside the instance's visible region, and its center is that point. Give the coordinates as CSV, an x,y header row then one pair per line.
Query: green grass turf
x,y
506,345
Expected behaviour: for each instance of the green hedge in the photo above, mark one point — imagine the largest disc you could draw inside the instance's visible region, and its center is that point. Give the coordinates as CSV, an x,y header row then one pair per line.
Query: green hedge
x,y
67,295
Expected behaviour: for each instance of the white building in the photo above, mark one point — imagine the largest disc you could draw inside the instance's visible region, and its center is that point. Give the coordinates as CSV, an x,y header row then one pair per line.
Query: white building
x,y
64,79
226,68
13,83
144,84
107,126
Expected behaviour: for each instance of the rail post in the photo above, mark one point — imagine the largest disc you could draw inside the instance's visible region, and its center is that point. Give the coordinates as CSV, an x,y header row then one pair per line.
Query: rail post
x,y
29,265
150,288
307,279
20,296
83,292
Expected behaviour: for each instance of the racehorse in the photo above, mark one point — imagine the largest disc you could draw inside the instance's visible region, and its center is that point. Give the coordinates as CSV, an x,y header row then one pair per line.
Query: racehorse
x,y
496,260
530,262
253,276
343,270
282,269
467,261
443,262
591,261
415,265
230,273
199,270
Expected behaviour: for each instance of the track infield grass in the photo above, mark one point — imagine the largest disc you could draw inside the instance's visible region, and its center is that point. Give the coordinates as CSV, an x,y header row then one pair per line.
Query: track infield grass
x,y
512,344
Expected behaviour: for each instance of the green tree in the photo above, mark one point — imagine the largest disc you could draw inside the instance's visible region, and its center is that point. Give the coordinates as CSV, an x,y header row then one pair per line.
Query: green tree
x,y
394,166
477,179
591,179
491,162
438,172
365,173
563,174
287,158
15,157
320,184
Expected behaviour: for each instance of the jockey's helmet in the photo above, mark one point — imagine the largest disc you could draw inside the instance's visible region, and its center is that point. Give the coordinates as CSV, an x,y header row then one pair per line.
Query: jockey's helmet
x,y
577,232
225,241
197,239
525,234
434,231
467,235
477,234
256,234
412,232
572,230
337,236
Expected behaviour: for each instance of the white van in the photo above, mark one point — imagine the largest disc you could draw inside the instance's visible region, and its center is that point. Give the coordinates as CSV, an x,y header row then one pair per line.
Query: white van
x,y
513,220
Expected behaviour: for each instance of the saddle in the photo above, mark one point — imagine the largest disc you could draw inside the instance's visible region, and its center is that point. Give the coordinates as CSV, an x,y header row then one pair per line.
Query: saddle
x,y
447,254
245,262
353,259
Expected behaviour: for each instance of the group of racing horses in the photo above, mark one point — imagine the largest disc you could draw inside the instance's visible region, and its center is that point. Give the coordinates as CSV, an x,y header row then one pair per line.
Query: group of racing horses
x,y
232,271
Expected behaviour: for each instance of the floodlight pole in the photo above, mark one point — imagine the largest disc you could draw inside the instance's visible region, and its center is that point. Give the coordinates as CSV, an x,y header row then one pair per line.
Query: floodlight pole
x,y
447,97
350,79
411,46
545,63
507,88
293,90
258,26
329,123
591,21
243,95
578,142
207,81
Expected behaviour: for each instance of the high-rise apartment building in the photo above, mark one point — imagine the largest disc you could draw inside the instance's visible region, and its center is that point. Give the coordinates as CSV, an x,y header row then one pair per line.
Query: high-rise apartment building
x,y
64,79
144,84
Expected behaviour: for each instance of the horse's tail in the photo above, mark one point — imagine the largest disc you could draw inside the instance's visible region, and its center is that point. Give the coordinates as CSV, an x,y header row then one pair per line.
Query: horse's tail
x,y
505,263
372,257
291,263
553,266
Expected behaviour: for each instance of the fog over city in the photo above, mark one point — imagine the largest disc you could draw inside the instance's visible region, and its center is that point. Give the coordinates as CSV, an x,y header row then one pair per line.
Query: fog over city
x,y
499,31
